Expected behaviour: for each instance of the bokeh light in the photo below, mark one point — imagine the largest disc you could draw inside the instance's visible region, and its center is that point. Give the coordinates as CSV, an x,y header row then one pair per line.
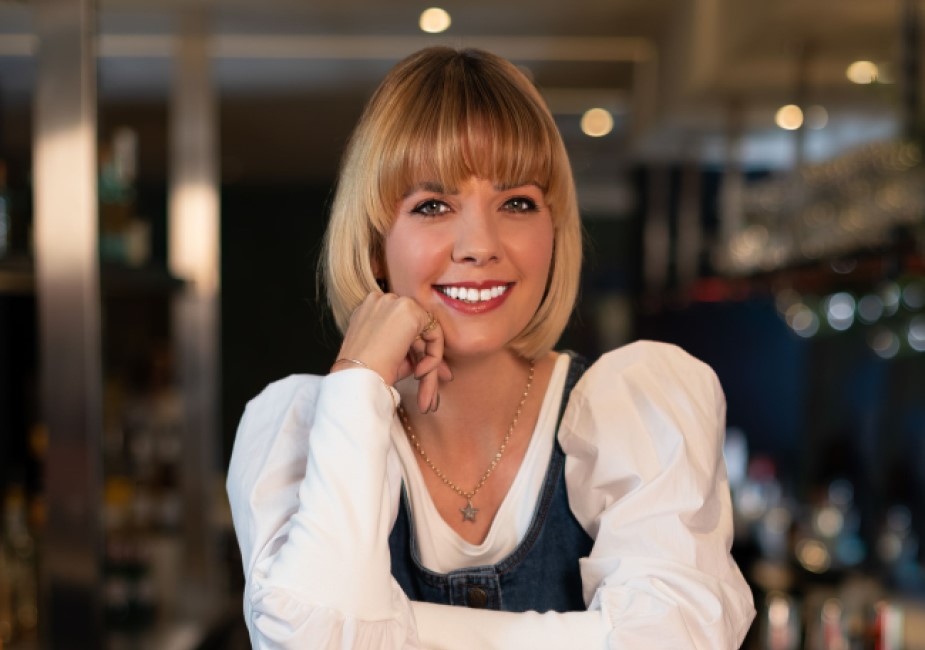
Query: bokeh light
x,y
884,343
814,556
915,333
596,122
434,20
802,320
789,117
840,311
870,309
862,72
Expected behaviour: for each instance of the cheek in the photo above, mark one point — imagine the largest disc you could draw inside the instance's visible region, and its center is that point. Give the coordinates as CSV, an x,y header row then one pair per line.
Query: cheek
x,y
409,257
538,250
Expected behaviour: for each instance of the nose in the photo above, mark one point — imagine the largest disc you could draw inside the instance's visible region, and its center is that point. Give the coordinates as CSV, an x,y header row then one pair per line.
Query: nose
x,y
477,241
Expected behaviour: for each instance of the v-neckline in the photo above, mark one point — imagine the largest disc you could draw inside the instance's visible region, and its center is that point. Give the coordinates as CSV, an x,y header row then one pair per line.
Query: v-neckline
x,y
432,515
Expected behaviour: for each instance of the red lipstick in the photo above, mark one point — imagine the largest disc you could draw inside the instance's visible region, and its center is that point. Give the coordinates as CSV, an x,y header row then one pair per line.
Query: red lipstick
x,y
475,307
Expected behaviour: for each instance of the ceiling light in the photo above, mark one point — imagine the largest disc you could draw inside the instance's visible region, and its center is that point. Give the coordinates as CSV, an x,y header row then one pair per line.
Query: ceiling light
x,y
434,20
596,122
862,72
789,117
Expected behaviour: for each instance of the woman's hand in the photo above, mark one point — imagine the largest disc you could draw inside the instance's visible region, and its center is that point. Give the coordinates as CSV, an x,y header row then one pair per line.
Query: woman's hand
x,y
395,337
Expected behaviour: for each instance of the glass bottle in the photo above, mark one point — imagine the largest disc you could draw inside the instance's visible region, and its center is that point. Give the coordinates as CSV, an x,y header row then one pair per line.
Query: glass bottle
x,y
20,589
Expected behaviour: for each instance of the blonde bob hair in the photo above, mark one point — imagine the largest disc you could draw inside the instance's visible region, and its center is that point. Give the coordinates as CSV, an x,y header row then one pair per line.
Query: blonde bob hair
x,y
445,115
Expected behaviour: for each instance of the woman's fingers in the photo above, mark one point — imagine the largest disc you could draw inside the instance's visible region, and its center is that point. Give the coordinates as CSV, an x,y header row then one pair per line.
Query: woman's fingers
x,y
444,372
395,337
430,369
428,393
382,330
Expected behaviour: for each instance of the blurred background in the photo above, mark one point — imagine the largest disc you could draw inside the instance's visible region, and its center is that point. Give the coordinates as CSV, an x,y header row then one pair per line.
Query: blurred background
x,y
751,182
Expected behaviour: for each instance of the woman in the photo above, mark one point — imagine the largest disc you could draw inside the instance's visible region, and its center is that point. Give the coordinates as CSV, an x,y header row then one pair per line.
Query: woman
x,y
452,482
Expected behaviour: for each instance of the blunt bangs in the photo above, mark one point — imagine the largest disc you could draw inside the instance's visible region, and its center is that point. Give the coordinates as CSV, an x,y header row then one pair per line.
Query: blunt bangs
x,y
458,118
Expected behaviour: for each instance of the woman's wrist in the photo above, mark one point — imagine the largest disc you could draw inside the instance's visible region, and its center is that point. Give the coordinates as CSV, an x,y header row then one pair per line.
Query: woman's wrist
x,y
345,362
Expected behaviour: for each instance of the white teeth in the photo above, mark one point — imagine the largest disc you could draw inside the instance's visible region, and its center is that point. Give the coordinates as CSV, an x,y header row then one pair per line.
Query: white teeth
x,y
474,295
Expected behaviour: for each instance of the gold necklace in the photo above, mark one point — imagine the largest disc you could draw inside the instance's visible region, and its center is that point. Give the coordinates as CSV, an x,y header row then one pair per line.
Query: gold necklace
x,y
469,512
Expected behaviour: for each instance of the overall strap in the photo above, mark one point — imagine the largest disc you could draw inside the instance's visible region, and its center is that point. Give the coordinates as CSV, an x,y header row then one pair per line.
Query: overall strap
x,y
576,369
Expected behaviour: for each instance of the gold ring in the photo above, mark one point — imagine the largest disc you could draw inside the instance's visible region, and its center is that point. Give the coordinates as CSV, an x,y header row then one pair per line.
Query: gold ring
x,y
431,324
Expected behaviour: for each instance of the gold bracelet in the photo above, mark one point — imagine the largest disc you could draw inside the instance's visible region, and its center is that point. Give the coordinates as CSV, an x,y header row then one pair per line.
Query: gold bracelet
x,y
353,361
359,363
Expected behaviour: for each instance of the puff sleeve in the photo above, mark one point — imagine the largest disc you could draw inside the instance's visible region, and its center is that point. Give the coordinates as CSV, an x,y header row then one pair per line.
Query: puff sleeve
x,y
643,436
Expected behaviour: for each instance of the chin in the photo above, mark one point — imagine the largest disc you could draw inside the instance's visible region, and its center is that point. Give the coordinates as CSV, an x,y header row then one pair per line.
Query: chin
x,y
471,349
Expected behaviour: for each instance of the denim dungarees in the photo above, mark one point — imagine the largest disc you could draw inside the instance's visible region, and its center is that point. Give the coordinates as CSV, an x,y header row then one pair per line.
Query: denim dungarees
x,y
540,574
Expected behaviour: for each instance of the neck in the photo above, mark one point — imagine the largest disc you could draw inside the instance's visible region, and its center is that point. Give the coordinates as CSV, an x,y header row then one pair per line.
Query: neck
x,y
476,408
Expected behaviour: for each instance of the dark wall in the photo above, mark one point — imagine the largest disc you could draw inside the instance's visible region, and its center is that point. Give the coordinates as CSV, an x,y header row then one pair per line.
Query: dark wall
x,y
18,390
273,324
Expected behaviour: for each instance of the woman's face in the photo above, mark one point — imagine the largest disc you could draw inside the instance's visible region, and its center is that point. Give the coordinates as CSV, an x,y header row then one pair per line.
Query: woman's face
x,y
477,258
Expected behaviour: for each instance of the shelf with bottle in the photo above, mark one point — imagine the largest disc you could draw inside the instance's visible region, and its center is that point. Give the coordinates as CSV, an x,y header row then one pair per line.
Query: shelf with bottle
x,y
18,570
824,578
143,506
131,261
16,267
143,540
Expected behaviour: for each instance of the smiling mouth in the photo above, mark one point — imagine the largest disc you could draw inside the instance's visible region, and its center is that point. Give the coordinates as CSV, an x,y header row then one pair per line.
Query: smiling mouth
x,y
471,295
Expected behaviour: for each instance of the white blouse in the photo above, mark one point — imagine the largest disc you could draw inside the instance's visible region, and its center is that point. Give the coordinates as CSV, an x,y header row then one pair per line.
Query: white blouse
x,y
441,548
314,484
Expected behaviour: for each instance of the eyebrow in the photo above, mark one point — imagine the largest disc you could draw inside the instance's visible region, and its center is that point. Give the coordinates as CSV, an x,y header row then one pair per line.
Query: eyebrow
x,y
437,188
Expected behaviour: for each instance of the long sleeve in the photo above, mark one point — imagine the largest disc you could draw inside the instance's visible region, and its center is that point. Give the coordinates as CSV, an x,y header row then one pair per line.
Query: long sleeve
x,y
643,436
313,484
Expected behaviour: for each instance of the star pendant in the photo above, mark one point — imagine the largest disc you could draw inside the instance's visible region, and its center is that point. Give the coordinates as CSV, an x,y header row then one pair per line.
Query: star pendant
x,y
469,512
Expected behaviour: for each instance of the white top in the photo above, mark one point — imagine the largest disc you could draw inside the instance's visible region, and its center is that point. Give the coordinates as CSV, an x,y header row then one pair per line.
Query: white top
x,y
314,484
441,549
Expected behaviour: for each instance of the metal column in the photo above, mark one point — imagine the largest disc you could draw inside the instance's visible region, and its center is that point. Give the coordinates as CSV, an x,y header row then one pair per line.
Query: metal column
x,y
194,256
67,280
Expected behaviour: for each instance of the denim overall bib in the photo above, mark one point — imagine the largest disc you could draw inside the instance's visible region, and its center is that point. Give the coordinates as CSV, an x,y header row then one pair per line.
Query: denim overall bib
x,y
540,574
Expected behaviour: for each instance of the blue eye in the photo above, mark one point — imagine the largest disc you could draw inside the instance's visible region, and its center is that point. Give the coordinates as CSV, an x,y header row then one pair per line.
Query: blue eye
x,y
520,204
431,208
